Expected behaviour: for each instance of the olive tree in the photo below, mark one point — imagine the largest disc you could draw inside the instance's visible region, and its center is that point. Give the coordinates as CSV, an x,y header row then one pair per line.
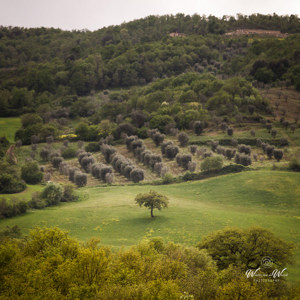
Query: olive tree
x,y
152,200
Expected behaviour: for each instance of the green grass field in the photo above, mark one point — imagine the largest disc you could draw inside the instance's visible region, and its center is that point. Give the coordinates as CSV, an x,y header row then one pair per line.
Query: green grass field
x,y
270,199
8,127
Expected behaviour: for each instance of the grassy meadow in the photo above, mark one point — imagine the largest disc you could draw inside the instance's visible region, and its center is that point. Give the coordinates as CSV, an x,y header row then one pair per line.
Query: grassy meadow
x,y
269,199
8,127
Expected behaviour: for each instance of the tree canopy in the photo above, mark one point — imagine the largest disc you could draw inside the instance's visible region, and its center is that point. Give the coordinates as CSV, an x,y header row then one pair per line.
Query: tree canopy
x,y
152,200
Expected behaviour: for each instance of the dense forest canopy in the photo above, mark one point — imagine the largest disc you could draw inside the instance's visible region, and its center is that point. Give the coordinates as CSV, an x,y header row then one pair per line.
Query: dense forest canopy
x,y
60,74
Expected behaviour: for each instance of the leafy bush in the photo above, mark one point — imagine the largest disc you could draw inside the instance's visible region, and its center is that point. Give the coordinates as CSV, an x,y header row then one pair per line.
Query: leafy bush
x,y
10,184
69,152
212,164
294,165
109,178
56,160
183,139
69,194
198,127
269,151
52,193
193,149
136,175
183,160
158,138
80,179
31,173
72,173
44,154
243,159
278,154
12,208
171,151
92,147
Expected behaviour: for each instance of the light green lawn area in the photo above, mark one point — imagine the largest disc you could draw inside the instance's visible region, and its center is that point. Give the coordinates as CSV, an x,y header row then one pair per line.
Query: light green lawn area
x,y
26,195
270,199
8,127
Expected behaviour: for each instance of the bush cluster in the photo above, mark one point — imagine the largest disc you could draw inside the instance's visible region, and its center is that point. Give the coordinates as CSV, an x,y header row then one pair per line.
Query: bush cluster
x,y
156,136
169,149
183,160
244,149
9,209
243,159
53,194
102,172
271,151
31,173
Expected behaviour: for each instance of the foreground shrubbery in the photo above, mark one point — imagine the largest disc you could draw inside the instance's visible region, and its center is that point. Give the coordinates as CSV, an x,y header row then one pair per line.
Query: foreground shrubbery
x,y
51,265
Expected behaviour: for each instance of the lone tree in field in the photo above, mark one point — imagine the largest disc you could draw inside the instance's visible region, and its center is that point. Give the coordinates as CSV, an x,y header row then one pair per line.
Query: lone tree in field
x,y
152,200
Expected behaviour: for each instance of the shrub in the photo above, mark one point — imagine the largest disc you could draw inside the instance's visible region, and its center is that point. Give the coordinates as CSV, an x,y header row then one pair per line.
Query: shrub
x,y
129,140
69,152
273,133
212,164
244,149
107,152
44,154
158,138
153,159
136,144
63,168
198,127
80,179
258,142
81,154
230,131
136,175
164,145
86,161
230,153
109,178
105,170
52,193
171,151
183,160
183,139
31,173
126,128
37,202
69,194
10,184
243,159
193,149
14,208
128,170
278,154
234,142
158,167
56,160
72,173
294,165
207,154
96,170
92,147
192,166
214,145
221,150
269,151
167,178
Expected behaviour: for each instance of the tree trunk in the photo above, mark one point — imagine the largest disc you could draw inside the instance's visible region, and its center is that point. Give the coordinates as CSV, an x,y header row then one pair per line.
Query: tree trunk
x,y
152,216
